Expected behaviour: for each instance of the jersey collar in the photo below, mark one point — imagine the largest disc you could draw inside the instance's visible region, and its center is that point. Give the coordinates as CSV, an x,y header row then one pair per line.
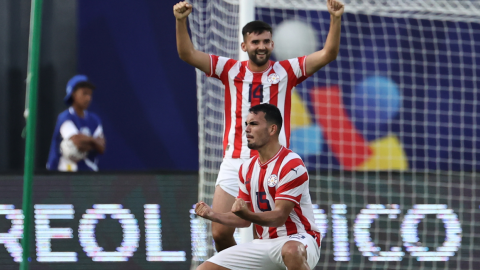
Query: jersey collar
x,y
270,160
71,110
265,70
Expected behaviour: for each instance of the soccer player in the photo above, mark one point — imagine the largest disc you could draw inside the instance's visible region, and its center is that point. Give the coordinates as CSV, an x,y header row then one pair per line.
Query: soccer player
x,y
247,84
82,127
273,195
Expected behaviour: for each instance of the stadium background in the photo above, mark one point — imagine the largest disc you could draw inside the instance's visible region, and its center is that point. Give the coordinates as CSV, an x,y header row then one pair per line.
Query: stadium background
x,y
146,98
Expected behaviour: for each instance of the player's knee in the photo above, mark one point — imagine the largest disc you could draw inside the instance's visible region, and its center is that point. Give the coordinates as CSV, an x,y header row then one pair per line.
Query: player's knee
x,y
202,267
294,250
221,233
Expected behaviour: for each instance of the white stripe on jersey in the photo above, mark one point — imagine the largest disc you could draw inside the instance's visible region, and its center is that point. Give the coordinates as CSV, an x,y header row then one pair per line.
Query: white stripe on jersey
x,y
248,79
233,97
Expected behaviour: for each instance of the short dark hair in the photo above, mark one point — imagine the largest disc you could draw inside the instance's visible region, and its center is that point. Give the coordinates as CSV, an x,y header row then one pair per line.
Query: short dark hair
x,y
84,84
272,114
256,27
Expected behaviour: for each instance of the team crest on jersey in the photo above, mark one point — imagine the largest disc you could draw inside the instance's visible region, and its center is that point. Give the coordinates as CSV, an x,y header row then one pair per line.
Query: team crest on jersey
x,y
273,78
272,180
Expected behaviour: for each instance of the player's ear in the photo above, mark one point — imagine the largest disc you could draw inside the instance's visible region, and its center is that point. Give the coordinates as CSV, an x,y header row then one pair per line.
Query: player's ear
x,y
273,129
244,46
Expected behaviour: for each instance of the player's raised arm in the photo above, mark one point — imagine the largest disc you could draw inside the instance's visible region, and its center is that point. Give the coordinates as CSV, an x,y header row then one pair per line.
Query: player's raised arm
x,y
185,48
319,59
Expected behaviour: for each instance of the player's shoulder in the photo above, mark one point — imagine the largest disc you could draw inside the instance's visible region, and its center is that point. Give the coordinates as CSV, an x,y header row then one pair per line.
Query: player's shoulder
x,y
292,157
249,162
289,62
224,60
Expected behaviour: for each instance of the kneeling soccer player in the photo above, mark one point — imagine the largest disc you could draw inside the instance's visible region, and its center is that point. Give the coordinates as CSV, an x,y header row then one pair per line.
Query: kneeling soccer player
x,y
274,195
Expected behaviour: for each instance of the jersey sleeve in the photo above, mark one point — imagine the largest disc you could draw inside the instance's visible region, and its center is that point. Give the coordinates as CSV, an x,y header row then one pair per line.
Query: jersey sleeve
x,y
242,191
68,129
293,181
296,69
219,67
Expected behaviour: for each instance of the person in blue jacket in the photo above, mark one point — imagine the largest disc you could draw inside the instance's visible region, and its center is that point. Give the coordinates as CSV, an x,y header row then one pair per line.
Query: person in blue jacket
x,y
78,127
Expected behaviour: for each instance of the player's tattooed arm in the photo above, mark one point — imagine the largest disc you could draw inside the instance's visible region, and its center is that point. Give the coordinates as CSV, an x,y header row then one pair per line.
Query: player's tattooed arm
x,y
185,48
228,219
319,59
275,218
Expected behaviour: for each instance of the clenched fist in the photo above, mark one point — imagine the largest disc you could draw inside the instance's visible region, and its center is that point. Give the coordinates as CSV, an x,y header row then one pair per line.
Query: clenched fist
x,y
335,8
202,209
239,207
182,9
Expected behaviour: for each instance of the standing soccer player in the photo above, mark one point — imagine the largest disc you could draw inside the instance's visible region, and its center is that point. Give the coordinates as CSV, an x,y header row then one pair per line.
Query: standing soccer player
x,y
273,195
247,84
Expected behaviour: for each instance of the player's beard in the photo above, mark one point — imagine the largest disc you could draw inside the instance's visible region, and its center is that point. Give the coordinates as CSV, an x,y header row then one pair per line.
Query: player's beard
x,y
253,56
256,145
252,146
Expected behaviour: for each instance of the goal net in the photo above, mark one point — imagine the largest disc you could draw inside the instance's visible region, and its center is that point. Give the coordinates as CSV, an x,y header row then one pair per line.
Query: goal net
x,y
388,131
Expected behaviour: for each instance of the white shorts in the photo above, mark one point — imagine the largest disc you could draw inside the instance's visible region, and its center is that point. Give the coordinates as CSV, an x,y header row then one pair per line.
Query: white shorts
x,y
265,254
228,175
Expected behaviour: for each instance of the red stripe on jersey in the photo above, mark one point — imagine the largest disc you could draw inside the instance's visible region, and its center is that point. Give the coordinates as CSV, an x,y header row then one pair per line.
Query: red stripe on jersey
x,y
290,226
273,91
291,165
292,81
272,232
287,112
240,174
228,101
244,196
292,78
317,236
237,144
303,219
302,63
281,156
306,224
292,184
213,66
259,231
249,175
255,96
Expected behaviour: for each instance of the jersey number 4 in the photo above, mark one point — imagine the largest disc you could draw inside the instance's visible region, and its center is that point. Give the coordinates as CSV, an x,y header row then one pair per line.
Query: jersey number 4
x,y
255,93
262,201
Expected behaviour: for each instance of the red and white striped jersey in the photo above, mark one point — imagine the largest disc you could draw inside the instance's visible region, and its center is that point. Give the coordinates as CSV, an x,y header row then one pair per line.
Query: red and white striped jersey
x,y
245,89
283,177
